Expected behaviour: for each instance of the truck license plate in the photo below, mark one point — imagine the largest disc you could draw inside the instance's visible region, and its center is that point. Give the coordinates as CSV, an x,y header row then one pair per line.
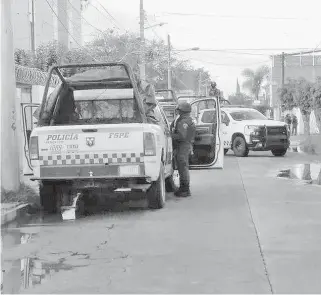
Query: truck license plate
x,y
128,170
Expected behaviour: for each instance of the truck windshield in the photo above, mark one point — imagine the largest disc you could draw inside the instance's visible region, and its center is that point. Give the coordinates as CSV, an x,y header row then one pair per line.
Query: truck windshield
x,y
247,115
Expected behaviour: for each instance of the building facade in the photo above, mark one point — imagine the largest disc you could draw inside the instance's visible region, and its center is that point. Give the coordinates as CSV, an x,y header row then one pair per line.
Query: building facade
x,y
295,67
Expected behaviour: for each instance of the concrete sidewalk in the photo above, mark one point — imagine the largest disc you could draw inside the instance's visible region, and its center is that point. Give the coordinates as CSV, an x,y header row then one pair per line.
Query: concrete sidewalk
x,y
288,220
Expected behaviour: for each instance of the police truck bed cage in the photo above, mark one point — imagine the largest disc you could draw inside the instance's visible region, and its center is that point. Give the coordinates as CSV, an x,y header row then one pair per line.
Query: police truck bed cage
x,y
111,76
171,96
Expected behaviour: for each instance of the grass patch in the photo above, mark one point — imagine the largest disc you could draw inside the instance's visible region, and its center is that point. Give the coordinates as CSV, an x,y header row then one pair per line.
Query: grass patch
x,y
25,194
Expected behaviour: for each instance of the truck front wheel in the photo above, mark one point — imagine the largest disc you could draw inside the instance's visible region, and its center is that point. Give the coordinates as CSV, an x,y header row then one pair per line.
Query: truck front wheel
x,y
156,194
240,148
279,152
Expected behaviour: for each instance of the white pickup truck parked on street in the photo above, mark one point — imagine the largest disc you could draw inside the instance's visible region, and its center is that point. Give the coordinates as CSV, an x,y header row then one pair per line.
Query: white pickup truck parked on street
x,y
246,129
93,140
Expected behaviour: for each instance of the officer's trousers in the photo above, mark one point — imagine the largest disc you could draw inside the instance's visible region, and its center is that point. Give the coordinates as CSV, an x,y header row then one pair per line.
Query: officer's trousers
x,y
182,160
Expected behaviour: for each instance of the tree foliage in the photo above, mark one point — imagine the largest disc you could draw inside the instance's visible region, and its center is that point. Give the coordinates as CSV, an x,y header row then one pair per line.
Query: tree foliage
x,y
254,79
304,95
111,47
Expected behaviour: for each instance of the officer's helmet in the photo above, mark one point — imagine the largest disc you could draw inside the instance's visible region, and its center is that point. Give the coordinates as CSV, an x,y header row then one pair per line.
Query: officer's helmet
x,y
213,84
184,107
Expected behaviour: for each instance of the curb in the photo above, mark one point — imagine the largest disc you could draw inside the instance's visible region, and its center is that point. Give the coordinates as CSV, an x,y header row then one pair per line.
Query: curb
x,y
14,213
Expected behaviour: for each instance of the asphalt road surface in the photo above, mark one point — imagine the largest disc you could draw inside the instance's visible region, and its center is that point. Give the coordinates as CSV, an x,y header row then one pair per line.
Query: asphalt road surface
x,y
242,231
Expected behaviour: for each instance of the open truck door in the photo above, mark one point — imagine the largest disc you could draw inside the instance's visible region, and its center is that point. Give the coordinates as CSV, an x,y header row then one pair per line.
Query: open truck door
x,y
30,113
208,151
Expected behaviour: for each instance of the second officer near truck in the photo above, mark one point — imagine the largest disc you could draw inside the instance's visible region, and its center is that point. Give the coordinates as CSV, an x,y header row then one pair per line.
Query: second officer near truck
x,y
183,134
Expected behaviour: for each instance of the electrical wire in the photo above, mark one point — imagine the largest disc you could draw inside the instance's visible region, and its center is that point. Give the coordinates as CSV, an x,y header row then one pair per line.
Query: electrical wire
x,y
68,31
112,23
232,16
244,65
82,17
110,15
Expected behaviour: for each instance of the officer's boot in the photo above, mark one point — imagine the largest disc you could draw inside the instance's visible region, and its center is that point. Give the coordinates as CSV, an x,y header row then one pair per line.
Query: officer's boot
x,y
184,191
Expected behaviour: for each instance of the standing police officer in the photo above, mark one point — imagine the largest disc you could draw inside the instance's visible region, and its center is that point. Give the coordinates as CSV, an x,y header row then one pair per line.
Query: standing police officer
x,y
183,133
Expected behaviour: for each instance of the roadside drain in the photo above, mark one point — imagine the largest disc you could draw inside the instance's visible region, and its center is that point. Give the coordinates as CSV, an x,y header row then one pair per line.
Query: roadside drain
x,y
306,173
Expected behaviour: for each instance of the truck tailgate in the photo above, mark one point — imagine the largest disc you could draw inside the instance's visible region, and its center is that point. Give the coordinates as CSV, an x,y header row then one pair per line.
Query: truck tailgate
x,y
94,147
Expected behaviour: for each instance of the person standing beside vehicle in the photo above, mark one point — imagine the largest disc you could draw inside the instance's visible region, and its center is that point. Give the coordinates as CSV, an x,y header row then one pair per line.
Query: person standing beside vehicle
x,y
288,121
294,125
183,134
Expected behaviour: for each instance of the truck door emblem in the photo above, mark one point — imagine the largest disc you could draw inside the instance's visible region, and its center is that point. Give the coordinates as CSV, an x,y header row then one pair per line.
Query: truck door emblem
x,y
91,174
90,141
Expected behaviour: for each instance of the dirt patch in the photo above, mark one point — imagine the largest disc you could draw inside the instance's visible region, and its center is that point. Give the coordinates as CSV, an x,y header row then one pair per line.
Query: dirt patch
x,y
25,194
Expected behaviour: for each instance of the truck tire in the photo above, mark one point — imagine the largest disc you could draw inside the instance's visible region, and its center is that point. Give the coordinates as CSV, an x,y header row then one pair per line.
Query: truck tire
x,y
239,147
225,151
156,194
172,182
48,197
279,152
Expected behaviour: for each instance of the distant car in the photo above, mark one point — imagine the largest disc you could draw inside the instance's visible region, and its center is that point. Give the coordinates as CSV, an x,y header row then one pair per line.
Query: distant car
x,y
246,129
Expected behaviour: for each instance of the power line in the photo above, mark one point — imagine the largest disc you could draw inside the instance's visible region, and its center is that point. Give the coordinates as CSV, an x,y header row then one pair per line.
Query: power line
x,y
254,49
110,14
84,17
112,20
68,30
232,16
244,65
225,51
115,25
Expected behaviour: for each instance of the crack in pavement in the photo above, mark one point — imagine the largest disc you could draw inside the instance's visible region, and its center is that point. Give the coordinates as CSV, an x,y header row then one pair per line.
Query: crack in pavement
x,y
256,232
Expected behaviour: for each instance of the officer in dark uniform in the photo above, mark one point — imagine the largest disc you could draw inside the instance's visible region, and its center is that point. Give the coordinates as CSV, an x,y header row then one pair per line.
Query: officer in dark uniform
x,y
183,134
214,91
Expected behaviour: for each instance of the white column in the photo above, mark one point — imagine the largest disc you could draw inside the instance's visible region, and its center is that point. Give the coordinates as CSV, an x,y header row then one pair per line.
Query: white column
x,y
10,177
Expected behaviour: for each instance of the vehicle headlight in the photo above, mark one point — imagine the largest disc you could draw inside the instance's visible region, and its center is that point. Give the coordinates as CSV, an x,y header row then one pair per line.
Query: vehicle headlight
x,y
252,130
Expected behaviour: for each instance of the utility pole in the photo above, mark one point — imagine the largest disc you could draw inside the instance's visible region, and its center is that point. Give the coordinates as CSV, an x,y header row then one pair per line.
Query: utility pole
x,y
283,68
142,41
32,24
199,83
10,174
169,70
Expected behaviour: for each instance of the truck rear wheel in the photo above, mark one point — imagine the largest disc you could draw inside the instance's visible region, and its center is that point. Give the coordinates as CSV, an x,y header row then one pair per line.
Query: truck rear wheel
x,y
156,194
48,197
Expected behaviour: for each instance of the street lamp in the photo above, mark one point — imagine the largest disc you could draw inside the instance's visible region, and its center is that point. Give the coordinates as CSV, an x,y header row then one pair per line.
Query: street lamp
x,y
188,49
155,25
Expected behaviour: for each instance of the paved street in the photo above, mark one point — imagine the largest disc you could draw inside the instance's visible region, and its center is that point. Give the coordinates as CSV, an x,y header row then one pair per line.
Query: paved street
x,y
243,231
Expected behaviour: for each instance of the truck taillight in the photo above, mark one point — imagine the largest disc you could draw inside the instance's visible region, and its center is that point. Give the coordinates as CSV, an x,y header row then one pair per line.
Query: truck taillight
x,y
33,148
149,144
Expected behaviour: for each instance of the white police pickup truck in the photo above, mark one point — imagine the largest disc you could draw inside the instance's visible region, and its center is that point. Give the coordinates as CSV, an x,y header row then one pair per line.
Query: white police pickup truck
x,y
93,141
245,129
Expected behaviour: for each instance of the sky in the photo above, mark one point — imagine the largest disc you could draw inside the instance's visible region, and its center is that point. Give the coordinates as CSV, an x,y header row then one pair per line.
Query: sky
x,y
245,32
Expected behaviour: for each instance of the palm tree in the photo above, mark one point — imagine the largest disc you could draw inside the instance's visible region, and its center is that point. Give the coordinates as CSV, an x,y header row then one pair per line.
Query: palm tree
x,y
254,79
